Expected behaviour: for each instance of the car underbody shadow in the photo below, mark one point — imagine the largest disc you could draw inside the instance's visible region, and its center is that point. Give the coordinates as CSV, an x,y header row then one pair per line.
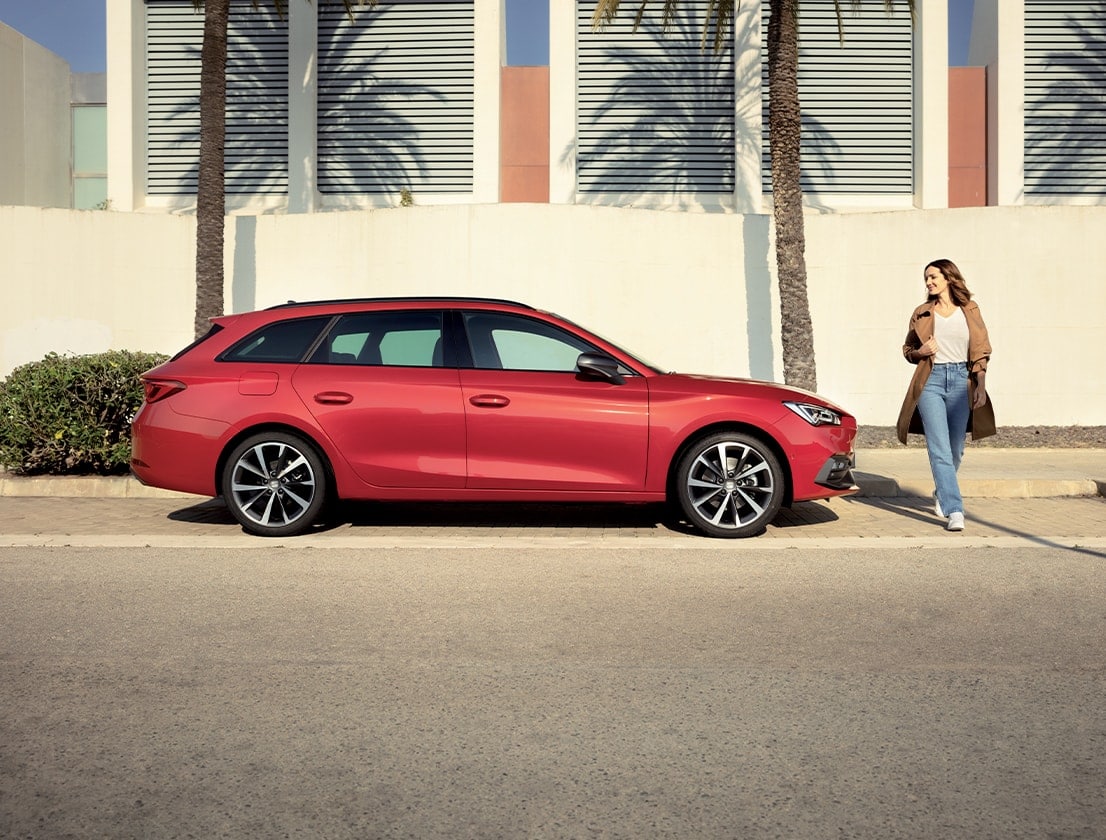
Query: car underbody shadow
x,y
501,515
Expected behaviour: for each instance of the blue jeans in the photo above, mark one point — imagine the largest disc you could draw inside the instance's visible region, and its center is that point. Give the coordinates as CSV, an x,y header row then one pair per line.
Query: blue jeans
x,y
944,410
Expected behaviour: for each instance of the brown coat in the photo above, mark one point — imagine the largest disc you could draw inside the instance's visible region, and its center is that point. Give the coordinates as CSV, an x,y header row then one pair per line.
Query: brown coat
x,y
981,421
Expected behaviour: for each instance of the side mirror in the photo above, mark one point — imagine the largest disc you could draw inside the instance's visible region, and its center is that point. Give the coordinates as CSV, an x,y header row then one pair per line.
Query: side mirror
x,y
600,366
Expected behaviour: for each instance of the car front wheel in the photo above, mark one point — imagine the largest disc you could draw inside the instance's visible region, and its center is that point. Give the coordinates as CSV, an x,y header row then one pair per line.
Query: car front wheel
x,y
274,484
730,485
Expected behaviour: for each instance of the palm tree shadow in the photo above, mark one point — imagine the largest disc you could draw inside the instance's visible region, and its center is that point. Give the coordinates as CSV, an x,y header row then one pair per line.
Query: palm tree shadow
x,y
667,127
382,153
655,115
1064,124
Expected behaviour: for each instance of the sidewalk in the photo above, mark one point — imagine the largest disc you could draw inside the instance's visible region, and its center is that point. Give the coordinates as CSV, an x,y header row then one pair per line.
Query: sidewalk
x,y
1016,498
880,473
986,473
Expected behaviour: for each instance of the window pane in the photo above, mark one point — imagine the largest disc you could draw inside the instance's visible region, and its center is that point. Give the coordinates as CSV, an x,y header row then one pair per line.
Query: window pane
x,y
284,341
90,140
409,339
512,342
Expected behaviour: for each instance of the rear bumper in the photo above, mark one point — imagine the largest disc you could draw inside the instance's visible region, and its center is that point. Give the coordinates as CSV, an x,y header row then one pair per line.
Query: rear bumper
x,y
173,452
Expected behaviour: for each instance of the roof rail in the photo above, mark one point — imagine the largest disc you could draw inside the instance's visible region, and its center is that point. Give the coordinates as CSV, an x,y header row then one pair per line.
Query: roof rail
x,y
403,299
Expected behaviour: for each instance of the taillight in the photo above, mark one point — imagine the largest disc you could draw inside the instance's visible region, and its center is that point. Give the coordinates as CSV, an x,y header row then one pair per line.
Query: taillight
x,y
159,389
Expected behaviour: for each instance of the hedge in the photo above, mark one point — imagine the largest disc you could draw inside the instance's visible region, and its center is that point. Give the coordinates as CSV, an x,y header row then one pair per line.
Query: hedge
x,y
71,415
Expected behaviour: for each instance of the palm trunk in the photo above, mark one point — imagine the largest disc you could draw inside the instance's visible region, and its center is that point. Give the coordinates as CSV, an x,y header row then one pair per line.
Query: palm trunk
x,y
784,131
210,202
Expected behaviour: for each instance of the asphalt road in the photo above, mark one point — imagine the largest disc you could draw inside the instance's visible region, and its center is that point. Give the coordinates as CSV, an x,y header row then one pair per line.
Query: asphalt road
x,y
541,692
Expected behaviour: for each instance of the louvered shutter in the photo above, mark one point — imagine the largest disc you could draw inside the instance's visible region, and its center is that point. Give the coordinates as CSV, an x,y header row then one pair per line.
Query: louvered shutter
x,y
256,148
1065,98
856,100
655,111
395,102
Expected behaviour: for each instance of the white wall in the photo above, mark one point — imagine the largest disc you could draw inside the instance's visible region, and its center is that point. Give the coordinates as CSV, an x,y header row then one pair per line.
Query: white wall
x,y
689,291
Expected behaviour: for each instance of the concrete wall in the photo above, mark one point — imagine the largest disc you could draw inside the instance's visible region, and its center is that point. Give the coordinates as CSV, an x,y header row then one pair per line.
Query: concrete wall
x,y
34,123
689,291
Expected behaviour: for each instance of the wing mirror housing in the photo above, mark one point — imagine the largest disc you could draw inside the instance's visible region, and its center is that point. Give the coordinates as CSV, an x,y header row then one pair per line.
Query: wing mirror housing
x,y
600,366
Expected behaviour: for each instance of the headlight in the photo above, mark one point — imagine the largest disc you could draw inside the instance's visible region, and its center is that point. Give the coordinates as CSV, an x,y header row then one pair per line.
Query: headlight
x,y
815,415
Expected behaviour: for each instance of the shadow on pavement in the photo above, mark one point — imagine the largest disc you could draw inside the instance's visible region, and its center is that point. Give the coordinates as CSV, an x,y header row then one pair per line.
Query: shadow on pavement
x,y
920,509
506,515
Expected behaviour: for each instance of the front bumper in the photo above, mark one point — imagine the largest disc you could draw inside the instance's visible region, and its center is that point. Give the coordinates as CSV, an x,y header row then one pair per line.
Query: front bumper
x,y
837,472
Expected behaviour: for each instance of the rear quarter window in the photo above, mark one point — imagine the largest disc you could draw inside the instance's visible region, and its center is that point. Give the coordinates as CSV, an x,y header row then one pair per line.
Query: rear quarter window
x,y
283,341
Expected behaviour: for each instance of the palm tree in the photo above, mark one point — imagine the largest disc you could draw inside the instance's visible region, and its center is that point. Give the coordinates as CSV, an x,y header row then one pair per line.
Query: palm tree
x,y
784,144
210,187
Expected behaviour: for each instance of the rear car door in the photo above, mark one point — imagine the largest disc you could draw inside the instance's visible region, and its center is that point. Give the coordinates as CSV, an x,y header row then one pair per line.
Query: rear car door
x,y
381,388
536,423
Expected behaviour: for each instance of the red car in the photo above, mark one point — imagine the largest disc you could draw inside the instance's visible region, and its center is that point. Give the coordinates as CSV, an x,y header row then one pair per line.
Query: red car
x,y
284,410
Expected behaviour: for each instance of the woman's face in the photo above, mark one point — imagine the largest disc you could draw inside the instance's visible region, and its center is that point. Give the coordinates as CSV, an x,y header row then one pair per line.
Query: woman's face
x,y
936,283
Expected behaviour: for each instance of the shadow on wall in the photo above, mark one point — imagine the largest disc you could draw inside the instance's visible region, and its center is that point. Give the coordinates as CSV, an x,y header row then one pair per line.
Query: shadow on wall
x,y
365,145
243,290
660,120
1065,106
758,297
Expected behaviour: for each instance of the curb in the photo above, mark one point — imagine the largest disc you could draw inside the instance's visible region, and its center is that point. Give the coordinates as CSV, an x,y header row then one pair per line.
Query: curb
x,y
84,487
872,485
879,486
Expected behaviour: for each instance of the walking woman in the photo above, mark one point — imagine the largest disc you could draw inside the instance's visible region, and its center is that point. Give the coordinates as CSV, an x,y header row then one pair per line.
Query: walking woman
x,y
947,398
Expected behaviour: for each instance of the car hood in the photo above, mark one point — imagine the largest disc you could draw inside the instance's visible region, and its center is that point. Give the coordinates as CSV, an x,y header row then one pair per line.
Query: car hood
x,y
724,385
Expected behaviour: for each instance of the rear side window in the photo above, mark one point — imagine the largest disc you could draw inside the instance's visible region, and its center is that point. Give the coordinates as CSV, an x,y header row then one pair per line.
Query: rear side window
x,y
283,341
402,339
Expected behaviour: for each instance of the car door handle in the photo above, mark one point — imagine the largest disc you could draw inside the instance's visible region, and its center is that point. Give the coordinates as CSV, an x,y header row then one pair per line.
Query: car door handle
x,y
489,401
333,398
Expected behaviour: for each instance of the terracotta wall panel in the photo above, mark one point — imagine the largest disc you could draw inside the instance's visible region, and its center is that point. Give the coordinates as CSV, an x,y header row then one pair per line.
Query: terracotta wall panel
x,y
524,134
967,136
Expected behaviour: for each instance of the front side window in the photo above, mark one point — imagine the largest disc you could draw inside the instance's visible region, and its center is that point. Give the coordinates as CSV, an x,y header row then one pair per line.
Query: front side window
x,y
513,342
282,341
404,339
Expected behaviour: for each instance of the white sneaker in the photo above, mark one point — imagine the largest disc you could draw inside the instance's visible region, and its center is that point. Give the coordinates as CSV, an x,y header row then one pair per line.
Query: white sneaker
x,y
937,506
956,521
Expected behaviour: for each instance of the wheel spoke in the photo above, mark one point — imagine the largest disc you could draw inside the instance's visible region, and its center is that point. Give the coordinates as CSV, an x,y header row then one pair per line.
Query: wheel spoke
x,y
711,466
753,470
258,452
286,467
749,501
267,517
302,502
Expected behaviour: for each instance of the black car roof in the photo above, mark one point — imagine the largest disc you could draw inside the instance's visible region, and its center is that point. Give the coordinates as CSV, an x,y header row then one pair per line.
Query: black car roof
x,y
406,299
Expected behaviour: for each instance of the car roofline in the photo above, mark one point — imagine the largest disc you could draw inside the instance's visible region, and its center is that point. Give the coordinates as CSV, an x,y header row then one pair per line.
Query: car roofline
x,y
403,299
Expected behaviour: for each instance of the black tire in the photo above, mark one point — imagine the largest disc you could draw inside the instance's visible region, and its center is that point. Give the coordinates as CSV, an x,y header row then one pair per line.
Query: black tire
x,y
275,484
729,485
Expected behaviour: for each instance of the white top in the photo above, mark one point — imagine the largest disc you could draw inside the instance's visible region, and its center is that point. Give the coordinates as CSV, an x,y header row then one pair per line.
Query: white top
x,y
952,337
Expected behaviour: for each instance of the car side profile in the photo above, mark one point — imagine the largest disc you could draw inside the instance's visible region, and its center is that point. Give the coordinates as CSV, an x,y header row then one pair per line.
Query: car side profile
x,y
285,410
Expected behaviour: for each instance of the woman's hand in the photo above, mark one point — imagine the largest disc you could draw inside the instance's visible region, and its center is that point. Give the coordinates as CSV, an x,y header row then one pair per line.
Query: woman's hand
x,y
928,348
980,399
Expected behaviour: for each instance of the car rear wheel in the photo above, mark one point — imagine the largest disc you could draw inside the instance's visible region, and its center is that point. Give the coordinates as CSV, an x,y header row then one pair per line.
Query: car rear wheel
x,y
274,484
730,485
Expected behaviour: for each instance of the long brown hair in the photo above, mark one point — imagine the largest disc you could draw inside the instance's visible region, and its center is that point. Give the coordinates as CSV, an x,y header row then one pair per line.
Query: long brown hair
x,y
958,289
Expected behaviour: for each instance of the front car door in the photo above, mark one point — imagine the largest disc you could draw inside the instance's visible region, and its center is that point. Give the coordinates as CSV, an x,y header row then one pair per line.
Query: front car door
x,y
534,422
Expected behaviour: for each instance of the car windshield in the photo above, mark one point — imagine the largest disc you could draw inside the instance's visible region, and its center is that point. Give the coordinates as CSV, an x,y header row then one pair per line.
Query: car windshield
x,y
641,361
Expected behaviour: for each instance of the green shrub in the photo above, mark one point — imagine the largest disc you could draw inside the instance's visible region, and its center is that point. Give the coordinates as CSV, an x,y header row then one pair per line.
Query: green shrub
x,y
72,414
